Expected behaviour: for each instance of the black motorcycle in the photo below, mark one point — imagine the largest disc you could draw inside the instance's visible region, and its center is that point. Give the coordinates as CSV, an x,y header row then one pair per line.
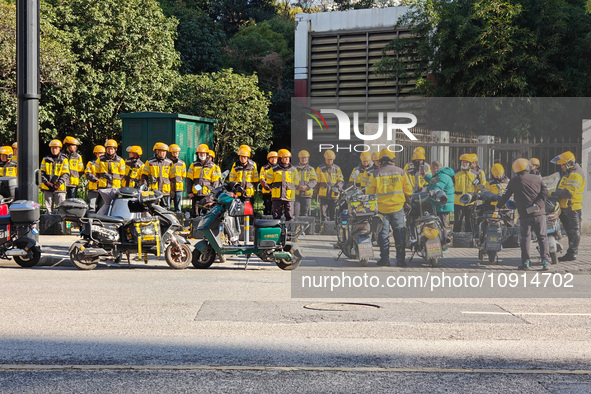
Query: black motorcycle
x,y
17,221
490,228
354,214
424,228
135,224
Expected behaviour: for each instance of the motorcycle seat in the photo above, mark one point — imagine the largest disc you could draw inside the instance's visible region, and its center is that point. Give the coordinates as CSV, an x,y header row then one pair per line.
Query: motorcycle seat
x,y
105,218
266,223
4,219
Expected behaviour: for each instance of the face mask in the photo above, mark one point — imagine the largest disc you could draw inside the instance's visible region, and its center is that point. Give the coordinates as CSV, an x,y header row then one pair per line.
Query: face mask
x,y
202,156
464,167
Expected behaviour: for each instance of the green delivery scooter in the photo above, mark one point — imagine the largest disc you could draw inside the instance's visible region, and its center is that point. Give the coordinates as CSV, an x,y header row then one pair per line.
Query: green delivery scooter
x,y
273,241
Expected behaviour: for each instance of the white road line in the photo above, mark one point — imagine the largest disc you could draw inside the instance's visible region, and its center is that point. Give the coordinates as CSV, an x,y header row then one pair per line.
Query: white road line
x,y
525,313
254,368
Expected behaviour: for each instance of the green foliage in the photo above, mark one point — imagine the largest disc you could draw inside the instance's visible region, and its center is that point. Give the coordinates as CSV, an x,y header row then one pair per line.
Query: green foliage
x,y
495,48
200,40
124,61
235,100
233,14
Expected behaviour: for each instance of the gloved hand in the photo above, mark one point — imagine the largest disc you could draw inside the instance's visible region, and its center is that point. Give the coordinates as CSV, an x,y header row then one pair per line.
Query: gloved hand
x,y
107,176
198,188
335,189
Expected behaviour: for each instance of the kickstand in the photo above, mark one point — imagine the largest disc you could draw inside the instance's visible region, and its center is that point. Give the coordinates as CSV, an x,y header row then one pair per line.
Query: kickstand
x,y
340,254
411,257
246,263
128,259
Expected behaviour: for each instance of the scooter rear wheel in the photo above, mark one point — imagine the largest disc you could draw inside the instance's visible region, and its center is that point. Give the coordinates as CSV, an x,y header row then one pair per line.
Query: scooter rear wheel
x,y
178,257
79,261
31,259
203,260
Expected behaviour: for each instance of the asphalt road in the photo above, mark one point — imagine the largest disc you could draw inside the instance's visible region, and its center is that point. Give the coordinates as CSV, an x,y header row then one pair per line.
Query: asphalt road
x,y
226,329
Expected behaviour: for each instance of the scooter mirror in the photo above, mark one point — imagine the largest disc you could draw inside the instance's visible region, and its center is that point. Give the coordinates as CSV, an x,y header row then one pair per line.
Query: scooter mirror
x,y
465,198
355,174
224,176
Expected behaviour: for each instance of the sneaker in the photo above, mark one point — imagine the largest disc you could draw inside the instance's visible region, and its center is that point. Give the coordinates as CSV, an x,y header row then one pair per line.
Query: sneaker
x,y
524,266
383,263
545,265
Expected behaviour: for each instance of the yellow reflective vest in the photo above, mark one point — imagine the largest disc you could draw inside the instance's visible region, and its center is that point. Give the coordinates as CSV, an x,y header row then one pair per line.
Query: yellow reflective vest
x,y
156,173
328,177
76,166
391,185
282,181
90,174
54,169
8,168
207,175
306,177
113,166
246,175
178,173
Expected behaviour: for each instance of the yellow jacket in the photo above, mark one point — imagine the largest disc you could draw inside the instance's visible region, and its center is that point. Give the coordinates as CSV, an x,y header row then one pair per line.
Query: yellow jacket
x,y
178,173
329,176
76,165
282,181
463,183
571,184
8,168
391,185
247,175
113,166
54,169
90,174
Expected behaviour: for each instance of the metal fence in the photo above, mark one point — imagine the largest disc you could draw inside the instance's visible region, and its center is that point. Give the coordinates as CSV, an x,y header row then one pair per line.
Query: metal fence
x,y
448,148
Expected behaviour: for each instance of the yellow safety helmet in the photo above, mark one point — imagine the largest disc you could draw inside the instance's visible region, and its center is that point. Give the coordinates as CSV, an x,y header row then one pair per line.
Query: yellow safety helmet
x,y
365,156
272,154
534,161
497,170
304,153
100,149
283,153
174,148
248,148
211,153
111,143
71,141
134,149
6,150
160,146
520,164
375,156
418,153
14,145
329,155
387,153
564,158
471,157
203,148
53,143
244,152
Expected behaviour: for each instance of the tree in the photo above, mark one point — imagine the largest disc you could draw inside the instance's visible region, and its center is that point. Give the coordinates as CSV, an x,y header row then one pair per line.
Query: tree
x,y
235,101
495,48
124,59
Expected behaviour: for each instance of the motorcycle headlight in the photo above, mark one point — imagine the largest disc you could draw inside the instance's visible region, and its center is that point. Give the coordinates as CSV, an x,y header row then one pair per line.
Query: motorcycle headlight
x,y
430,232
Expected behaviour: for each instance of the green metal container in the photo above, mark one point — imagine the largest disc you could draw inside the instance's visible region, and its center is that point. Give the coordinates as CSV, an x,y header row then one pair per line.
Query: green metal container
x,y
147,128
265,234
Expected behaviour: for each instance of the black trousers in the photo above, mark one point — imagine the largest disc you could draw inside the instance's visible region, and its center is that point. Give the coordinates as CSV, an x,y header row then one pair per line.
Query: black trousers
x,y
463,214
267,204
571,220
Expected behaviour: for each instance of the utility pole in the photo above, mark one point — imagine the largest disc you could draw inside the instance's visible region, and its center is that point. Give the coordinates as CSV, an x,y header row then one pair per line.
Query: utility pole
x,y
27,90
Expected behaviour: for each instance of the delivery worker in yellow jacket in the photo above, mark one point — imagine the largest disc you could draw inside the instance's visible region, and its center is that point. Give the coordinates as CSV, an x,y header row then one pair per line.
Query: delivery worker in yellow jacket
x,y
570,194
330,184
272,158
156,172
362,168
54,175
94,200
133,167
416,169
75,163
7,164
110,169
178,173
393,190
464,183
498,180
203,177
245,172
282,178
307,181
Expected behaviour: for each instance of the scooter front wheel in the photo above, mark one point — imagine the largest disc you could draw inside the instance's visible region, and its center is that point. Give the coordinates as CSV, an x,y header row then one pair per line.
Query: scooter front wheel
x,y
178,256
203,260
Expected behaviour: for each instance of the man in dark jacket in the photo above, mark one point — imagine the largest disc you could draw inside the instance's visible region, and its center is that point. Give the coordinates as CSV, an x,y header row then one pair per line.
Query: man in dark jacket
x,y
530,197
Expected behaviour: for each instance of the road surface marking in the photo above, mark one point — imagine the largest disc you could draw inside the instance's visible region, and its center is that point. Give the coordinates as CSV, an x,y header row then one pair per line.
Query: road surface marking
x,y
525,313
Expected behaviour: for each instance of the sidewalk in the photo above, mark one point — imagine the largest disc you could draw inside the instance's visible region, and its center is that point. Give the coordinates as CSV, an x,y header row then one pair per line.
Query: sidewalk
x,y
318,251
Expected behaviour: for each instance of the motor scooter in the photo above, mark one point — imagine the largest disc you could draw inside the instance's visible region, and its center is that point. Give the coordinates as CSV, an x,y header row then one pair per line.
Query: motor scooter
x,y
490,228
18,220
354,213
424,228
274,240
135,224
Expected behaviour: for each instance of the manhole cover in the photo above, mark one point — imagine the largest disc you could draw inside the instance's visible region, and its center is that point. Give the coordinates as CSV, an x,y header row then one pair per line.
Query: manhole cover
x,y
341,306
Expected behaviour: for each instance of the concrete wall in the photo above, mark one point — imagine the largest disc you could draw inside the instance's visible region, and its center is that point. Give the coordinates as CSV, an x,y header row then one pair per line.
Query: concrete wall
x,y
586,164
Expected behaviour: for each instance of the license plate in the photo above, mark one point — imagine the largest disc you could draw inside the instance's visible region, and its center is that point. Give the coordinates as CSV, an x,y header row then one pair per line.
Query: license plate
x,y
433,247
365,250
